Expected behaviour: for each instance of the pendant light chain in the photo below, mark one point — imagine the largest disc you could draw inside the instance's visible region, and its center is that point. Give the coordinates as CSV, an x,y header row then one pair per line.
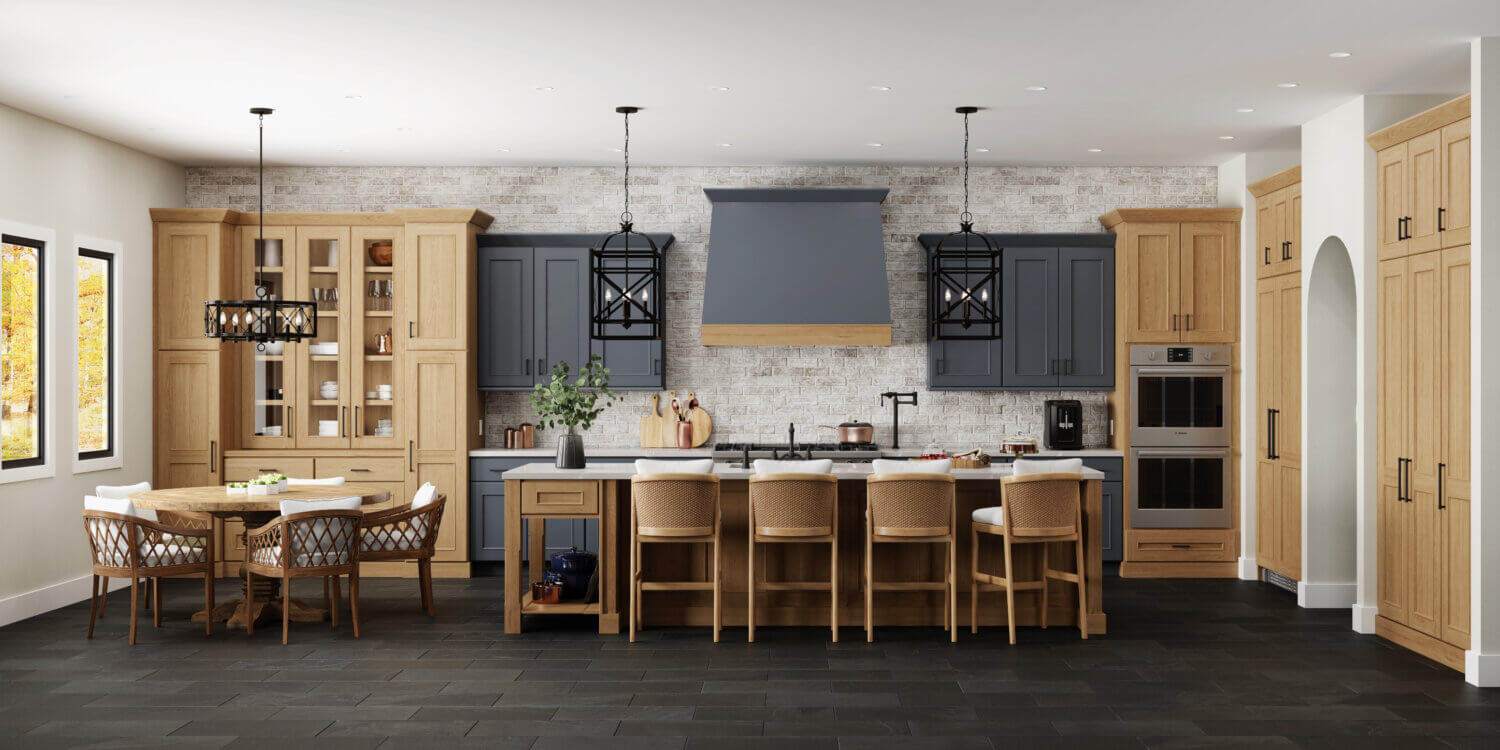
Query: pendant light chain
x,y
260,289
625,216
966,217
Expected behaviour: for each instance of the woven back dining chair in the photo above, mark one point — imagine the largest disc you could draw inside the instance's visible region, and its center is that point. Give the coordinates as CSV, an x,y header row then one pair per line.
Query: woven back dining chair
x,y
407,532
125,545
318,543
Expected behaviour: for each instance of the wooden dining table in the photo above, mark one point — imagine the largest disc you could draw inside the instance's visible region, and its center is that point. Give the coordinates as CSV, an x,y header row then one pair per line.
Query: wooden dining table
x,y
254,511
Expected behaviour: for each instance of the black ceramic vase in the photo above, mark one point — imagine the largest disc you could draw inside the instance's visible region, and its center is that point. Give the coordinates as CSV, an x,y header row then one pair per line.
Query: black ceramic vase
x,y
570,451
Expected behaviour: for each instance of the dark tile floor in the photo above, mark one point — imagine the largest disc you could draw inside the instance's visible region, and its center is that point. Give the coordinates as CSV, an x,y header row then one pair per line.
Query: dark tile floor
x,y
1186,664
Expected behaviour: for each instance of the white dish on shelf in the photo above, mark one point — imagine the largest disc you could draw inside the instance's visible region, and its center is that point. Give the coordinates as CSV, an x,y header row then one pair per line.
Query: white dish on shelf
x,y
327,348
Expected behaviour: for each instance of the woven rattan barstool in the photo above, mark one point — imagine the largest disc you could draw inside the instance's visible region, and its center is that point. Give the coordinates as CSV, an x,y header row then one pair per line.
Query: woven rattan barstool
x,y
677,508
1035,509
907,508
794,508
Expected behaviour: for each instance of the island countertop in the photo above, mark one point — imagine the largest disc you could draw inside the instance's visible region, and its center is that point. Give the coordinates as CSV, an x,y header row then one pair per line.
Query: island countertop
x,y
844,471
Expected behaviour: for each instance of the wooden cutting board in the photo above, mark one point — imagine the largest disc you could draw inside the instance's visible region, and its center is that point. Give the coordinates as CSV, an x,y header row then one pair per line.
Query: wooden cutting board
x,y
702,425
651,430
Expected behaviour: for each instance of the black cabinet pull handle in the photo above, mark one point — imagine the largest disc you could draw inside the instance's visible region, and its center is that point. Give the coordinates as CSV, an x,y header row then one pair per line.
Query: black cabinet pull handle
x,y
364,470
1401,228
528,365
1441,468
1286,250
541,367
1174,321
1274,413
411,456
213,453
356,420
1189,320
1270,449
1182,546
344,421
1267,255
1441,228
1400,485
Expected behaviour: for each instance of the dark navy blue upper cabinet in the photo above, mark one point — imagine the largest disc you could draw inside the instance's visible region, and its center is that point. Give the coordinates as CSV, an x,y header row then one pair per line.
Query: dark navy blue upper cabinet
x,y
505,318
1086,309
533,313
1057,319
1029,317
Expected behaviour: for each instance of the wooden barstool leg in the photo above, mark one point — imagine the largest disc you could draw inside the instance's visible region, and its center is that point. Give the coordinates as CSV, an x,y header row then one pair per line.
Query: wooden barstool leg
x,y
135,603
94,604
952,588
1046,577
973,581
947,575
833,576
1010,590
635,575
718,565
754,582
1083,614
869,586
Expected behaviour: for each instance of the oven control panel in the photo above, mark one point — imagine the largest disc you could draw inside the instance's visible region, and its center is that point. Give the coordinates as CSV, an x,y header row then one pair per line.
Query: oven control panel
x,y
1179,354
1161,354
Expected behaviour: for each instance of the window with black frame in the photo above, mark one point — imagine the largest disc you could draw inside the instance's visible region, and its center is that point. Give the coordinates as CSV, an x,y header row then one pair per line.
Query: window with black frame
x,y
96,354
22,375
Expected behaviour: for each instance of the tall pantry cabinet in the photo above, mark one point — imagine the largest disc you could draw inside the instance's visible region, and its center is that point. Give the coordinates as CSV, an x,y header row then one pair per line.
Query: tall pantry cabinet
x,y
388,400
1278,373
1423,393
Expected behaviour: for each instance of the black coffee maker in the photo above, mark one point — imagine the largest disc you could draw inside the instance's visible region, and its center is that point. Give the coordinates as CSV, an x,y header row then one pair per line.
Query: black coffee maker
x,y
1064,425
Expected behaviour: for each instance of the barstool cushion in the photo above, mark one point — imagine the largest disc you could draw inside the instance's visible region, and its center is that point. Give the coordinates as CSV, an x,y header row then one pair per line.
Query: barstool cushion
x,y
698,466
771,466
1047,466
993,515
892,466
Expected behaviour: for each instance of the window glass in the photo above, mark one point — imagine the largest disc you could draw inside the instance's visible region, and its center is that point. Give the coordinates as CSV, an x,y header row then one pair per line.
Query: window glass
x,y
21,376
96,403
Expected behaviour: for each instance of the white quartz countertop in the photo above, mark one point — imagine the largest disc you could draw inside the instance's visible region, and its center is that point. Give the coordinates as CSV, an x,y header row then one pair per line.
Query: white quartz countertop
x,y
705,452
728,471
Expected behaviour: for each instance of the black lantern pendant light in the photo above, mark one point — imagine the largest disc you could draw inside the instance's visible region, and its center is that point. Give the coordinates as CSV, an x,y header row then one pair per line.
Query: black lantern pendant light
x,y
625,270
263,319
964,274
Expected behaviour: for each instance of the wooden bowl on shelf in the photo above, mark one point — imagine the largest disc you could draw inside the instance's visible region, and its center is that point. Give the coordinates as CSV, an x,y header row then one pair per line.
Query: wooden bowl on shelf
x,y
381,253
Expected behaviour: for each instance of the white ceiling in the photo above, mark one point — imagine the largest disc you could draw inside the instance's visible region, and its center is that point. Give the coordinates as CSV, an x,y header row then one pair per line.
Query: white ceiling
x,y
447,82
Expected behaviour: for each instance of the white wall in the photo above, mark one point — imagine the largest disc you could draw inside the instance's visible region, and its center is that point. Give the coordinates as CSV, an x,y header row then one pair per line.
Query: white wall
x,y
1329,464
77,185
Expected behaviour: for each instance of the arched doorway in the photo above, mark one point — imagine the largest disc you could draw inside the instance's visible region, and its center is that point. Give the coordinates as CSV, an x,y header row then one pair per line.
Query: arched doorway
x,y
1329,494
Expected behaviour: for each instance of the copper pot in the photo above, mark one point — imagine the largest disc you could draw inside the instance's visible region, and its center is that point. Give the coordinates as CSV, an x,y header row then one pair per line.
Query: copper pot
x,y
854,432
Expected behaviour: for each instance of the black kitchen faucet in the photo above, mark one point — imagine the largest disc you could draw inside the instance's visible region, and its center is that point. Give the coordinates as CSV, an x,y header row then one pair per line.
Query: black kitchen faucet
x,y
897,399
791,447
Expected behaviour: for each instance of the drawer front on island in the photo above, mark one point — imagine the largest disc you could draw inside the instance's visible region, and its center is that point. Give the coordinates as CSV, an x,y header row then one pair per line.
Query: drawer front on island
x,y
573,496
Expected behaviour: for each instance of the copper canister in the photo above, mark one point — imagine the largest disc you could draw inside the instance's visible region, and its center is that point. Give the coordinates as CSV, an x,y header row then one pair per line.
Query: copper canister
x,y
510,437
528,435
684,434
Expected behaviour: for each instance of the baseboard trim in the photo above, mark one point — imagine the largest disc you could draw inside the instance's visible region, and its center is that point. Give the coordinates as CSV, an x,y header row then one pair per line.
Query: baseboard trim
x,y
1325,595
47,598
1362,618
1445,654
1482,670
1249,571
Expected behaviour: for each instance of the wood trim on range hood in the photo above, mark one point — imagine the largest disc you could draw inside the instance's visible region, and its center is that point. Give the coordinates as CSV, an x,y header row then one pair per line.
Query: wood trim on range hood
x,y
853,334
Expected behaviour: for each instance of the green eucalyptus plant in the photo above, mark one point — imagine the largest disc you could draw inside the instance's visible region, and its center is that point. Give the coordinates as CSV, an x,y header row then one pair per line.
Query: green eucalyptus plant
x,y
573,402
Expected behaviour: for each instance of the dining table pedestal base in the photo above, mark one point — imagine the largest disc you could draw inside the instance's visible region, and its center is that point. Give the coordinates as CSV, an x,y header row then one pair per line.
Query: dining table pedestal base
x,y
268,603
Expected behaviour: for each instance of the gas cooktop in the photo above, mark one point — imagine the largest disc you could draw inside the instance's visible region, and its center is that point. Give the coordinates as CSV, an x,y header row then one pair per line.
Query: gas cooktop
x,y
835,451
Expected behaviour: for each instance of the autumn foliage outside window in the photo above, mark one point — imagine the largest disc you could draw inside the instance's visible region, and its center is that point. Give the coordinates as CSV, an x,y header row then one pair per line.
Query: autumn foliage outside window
x,y
96,403
21,396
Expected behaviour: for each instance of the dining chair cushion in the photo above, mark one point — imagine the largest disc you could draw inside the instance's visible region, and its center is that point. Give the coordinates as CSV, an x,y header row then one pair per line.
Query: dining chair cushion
x,y
328,482
425,495
695,466
399,536
1026,466
123,492
120,505
113,549
992,515
775,466
321,546
892,466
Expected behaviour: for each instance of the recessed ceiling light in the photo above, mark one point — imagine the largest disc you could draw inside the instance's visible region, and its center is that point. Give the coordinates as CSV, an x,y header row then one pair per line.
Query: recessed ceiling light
x,y
343,149
352,97
615,149
1226,137
545,88
721,88
1095,150
503,150
1245,110
982,150
880,88
1036,88
401,130
1287,85
725,145
1338,55
874,145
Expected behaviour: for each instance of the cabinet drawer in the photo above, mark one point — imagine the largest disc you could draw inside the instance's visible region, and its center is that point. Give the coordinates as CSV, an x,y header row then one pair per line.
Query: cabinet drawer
x,y
570,498
245,469
383,469
1182,545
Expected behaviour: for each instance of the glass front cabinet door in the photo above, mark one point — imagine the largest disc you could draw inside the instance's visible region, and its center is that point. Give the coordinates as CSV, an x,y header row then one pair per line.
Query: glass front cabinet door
x,y
324,388
268,372
375,349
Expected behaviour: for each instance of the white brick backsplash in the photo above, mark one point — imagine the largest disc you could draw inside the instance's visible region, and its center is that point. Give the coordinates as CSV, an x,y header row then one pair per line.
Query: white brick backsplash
x,y
753,392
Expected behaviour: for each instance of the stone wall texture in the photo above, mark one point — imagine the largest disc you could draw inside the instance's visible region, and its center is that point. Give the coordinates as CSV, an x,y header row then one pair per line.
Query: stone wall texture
x,y
754,392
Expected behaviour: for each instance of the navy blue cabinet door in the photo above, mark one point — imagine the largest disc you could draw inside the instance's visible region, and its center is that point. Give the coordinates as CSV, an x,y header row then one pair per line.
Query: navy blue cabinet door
x,y
505,317
487,521
633,365
1029,322
1086,306
1112,535
961,364
561,330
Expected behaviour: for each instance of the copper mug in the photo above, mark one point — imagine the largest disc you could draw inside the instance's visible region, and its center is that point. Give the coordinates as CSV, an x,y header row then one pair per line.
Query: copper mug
x,y
510,437
684,434
527,438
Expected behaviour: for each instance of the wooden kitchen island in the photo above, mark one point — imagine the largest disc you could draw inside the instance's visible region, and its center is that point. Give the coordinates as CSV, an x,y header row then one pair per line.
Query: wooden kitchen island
x,y
535,492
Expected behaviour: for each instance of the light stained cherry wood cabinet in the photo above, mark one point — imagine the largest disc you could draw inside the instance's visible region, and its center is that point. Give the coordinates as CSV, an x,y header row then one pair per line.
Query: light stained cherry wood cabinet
x,y
1423,414
1278,452
192,260
439,258
1278,223
1423,178
1177,274
188,418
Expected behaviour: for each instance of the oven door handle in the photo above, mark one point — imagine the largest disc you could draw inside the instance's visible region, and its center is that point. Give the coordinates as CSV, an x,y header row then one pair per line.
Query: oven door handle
x,y
1184,452
1187,371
